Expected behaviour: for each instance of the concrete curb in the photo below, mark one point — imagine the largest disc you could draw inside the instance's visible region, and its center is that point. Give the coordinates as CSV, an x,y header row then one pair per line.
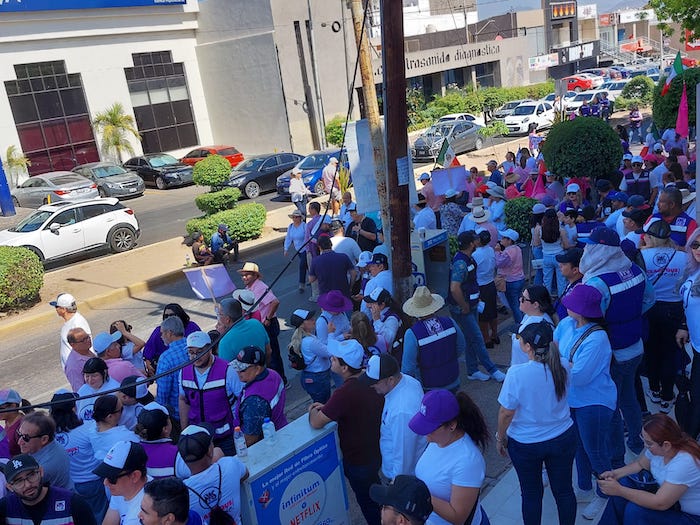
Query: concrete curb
x,y
29,321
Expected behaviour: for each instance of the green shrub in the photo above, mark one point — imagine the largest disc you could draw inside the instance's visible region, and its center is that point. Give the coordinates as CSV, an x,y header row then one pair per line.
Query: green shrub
x,y
335,129
245,222
583,147
217,201
214,170
666,108
641,88
623,104
518,213
21,276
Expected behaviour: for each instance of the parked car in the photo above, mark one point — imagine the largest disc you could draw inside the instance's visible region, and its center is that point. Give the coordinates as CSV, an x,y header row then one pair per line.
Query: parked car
x,y
68,228
461,135
112,180
230,153
541,113
311,168
258,174
578,83
507,108
596,79
605,73
614,88
54,186
650,71
551,98
577,102
160,170
462,116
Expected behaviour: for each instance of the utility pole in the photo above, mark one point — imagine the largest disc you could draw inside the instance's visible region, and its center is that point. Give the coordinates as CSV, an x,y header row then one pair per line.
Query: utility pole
x,y
395,122
369,92
317,82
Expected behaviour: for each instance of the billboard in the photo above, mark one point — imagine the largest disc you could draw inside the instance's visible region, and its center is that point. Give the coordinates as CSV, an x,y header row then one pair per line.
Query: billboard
x,y
53,5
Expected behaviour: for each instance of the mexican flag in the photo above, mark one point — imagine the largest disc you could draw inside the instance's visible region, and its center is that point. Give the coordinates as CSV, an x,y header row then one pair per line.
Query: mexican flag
x,y
447,158
676,70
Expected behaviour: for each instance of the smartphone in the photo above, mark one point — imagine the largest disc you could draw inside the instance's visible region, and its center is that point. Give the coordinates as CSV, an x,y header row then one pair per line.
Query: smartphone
x,y
597,476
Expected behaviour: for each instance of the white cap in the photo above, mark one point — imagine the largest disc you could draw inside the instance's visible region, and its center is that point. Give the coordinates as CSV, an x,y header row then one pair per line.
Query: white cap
x,y
573,187
350,351
64,300
364,259
245,297
510,234
156,406
332,160
198,339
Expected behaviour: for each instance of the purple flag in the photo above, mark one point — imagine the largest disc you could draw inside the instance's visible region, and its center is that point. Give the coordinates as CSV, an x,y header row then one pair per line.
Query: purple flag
x,y
210,282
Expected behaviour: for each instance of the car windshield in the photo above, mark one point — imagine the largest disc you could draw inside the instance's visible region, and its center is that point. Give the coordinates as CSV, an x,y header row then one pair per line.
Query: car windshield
x,y
439,131
32,222
250,164
314,161
583,96
107,171
524,110
162,160
511,105
550,97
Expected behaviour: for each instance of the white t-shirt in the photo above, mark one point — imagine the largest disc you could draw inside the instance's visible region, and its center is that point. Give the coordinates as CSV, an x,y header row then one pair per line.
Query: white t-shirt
x,y
485,258
227,472
425,218
681,470
347,246
77,321
399,445
128,509
655,260
539,416
460,463
691,304
103,441
85,406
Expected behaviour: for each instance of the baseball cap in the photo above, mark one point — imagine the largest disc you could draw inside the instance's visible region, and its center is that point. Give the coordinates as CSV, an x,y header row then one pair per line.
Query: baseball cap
x,y
627,156
364,259
379,258
378,295
637,160
656,227
299,316
407,494
436,408
153,415
510,234
549,201
350,351
7,395
572,255
249,355
245,297
424,176
572,188
492,162
223,227
18,464
603,184
332,160
379,367
539,208
102,341
658,147
129,387
124,456
194,442
63,400
636,201
620,196
198,339
604,236
64,300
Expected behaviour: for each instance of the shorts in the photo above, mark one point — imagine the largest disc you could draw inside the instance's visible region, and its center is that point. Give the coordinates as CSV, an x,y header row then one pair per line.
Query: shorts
x,y
487,294
335,194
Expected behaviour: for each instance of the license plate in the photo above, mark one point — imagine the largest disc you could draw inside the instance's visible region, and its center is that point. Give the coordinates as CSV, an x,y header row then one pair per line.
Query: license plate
x,y
132,190
82,190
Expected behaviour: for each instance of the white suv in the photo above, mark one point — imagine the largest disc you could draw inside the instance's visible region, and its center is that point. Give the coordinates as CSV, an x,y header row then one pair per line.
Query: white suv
x,y
68,228
541,113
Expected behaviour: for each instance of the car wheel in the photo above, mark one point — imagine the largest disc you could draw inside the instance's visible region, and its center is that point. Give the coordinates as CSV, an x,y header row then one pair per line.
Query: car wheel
x,y
252,190
102,192
478,143
36,251
15,202
577,89
160,183
319,188
121,239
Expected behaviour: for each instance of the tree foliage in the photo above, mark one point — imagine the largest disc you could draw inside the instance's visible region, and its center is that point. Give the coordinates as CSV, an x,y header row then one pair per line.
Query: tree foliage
x,y
213,171
684,12
335,129
641,89
518,213
21,277
583,147
665,109
245,222
115,126
217,201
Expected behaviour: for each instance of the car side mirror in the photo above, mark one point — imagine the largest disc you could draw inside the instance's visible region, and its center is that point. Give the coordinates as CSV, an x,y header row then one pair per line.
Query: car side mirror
x,y
55,227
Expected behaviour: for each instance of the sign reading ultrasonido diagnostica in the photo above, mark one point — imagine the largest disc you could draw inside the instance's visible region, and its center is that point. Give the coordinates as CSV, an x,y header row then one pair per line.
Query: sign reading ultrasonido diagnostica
x,y
53,5
306,489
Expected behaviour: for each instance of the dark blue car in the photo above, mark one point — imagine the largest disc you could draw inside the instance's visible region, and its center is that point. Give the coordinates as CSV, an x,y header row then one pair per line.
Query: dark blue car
x,y
311,170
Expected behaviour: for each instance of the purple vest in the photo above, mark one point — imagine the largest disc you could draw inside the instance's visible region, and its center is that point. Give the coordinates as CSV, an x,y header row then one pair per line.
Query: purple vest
x,y
437,354
640,186
58,511
624,313
161,458
469,286
211,394
271,389
679,227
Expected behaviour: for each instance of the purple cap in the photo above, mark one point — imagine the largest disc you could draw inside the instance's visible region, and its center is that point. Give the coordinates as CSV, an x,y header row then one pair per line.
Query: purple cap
x,y
604,236
549,201
436,408
584,300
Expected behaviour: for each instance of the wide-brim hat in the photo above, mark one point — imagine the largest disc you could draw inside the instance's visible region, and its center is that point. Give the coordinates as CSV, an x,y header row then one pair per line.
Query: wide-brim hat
x,y
497,191
688,196
584,300
476,202
250,267
479,215
512,177
334,301
423,303
295,213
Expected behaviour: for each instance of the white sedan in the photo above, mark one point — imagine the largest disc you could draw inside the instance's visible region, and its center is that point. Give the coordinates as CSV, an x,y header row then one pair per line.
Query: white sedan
x,y
540,113
469,117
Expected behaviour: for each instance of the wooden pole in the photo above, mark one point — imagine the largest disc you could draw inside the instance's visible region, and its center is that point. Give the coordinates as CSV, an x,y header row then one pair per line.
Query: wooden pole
x,y
396,122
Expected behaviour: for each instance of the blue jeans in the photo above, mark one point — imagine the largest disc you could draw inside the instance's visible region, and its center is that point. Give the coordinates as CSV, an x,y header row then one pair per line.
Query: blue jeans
x,y
94,494
317,385
622,374
619,511
537,254
593,451
635,132
550,267
557,454
361,478
513,291
476,349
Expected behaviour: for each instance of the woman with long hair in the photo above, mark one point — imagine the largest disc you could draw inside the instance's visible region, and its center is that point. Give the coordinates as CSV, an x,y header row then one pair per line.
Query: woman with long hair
x,y
316,376
155,345
452,465
362,330
554,241
592,394
673,458
535,306
535,425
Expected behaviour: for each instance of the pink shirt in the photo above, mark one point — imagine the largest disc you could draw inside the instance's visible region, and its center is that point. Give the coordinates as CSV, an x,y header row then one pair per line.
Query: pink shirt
x,y
510,264
74,369
258,288
119,369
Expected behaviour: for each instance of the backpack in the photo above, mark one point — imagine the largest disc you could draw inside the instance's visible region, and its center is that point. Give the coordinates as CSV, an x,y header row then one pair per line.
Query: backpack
x,y
296,360
217,516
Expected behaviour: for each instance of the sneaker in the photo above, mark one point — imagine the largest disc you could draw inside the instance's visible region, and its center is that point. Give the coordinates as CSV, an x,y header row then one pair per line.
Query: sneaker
x,y
478,376
666,406
594,508
584,496
498,376
654,396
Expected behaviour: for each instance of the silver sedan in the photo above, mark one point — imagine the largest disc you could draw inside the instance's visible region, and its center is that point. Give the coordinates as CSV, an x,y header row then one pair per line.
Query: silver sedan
x,y
53,187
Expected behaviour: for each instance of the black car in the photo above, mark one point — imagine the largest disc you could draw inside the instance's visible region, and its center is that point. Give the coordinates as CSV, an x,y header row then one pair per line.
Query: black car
x,y
160,170
258,174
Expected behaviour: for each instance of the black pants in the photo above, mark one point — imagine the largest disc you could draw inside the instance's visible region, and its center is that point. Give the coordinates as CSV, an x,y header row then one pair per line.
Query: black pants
x,y
693,428
661,353
276,363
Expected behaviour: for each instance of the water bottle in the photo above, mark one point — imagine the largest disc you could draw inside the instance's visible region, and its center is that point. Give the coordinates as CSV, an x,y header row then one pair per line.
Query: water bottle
x,y
239,441
268,428
187,260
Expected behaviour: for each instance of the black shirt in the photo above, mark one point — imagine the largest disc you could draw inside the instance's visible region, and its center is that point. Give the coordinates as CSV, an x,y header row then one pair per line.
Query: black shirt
x,y
367,225
81,512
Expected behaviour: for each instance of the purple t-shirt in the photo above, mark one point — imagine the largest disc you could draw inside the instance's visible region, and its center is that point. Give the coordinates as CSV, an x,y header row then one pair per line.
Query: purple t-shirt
x,y
331,269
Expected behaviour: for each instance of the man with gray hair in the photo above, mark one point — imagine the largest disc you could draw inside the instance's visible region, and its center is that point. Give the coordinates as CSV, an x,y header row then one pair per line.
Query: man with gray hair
x,y
172,332
67,309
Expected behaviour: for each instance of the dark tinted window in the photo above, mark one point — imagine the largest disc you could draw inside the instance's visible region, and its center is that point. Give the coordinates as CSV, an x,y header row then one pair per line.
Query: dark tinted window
x,y
65,218
91,211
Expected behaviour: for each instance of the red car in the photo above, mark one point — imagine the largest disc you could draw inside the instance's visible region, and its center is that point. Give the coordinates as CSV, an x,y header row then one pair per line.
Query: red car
x,y
229,152
577,83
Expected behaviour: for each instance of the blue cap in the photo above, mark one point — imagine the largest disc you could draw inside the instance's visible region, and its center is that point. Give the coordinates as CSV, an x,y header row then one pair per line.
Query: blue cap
x,y
637,160
635,201
604,236
620,196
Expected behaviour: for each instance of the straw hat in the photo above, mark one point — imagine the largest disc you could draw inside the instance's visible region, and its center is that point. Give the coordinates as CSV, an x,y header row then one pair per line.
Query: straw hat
x,y
250,267
497,191
423,303
479,215
476,202
295,213
687,195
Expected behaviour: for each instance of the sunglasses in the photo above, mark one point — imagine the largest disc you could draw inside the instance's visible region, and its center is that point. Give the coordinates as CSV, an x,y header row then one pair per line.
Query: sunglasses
x,y
695,245
26,437
112,480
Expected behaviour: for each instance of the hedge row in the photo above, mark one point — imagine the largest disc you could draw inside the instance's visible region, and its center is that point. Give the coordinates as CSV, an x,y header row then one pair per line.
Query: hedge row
x,y
245,222
217,201
21,276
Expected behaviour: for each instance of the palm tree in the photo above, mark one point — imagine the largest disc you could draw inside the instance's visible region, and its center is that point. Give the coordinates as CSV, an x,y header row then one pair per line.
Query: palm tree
x,y
16,163
115,126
